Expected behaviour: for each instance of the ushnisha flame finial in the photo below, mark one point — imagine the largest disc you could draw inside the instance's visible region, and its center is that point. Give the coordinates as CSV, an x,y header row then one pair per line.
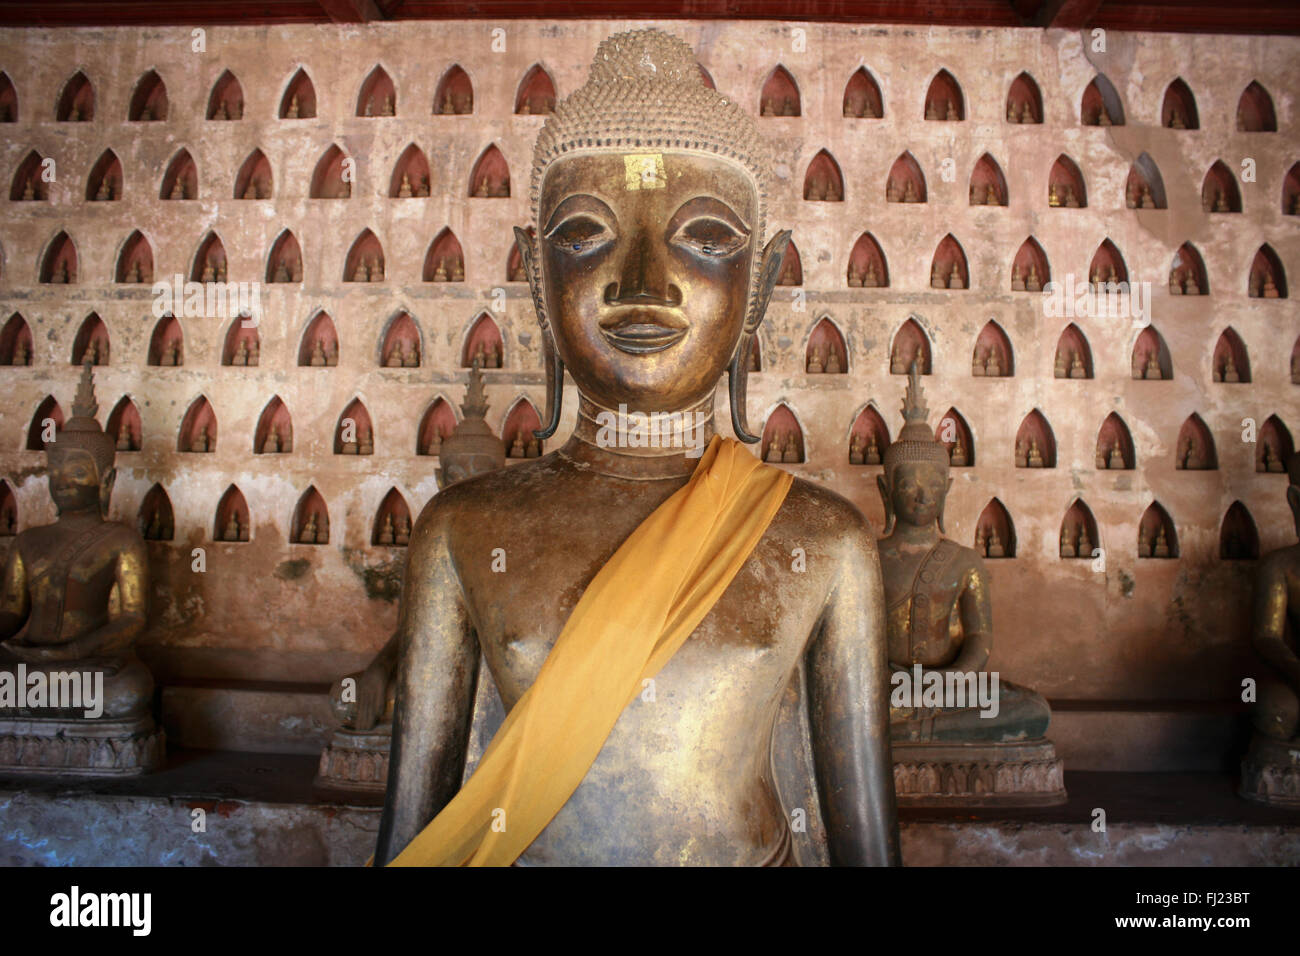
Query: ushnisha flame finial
x,y
476,403
84,405
82,431
915,441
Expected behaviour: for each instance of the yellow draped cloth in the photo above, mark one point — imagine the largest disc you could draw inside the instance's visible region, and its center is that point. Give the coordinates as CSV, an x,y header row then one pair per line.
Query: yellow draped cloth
x,y
634,615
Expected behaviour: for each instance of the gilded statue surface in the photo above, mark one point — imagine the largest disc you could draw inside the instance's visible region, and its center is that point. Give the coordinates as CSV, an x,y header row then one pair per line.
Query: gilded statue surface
x,y
650,277
1276,624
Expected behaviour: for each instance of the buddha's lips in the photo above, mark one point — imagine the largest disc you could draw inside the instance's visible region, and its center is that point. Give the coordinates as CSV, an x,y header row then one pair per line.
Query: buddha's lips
x,y
641,338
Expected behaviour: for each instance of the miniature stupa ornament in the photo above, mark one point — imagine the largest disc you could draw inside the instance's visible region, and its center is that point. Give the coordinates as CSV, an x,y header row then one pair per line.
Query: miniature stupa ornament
x,y
472,447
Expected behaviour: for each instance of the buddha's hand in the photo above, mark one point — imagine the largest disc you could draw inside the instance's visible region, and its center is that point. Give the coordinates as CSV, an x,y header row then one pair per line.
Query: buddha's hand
x,y
372,687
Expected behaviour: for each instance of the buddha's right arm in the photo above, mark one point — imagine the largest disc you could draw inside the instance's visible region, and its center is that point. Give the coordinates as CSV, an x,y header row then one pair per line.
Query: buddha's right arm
x,y
435,687
13,594
1270,621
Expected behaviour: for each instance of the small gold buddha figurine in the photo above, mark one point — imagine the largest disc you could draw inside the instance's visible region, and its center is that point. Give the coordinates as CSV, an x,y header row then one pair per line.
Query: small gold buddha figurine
x,y
791,454
936,282
1022,453
951,113
1147,202
1152,371
386,532
1071,200
1103,457
517,446
1190,285
871,279
1230,370
292,111
318,354
1131,196
178,189
991,197
995,548
981,541
931,110
233,529
1067,543
872,454
1032,282
958,454
814,366
1160,549
1059,367
200,443
1053,196
404,190
1017,279
955,280
909,192
856,448
1077,369
402,537
533,448
891,191
309,532
1085,545
396,356
365,443
1117,457
993,365
1035,457
1176,119
74,601
833,366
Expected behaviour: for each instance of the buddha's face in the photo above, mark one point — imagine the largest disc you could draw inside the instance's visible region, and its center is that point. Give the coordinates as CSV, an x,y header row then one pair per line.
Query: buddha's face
x,y
646,263
74,482
917,492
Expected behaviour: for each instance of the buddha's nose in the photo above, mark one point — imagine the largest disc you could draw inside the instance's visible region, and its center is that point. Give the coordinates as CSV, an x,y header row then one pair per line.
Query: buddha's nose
x,y
643,277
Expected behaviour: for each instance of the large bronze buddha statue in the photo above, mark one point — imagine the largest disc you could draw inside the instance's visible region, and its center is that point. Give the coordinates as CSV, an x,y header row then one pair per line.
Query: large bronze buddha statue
x,y
73,603
1270,772
962,736
650,278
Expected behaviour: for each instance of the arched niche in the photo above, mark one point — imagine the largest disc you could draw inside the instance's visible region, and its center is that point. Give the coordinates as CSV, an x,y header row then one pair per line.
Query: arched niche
x,y
1073,354
198,431
1065,186
1187,274
1178,111
284,264
226,101
91,343
1078,538
319,346
445,260
1295,362
1255,112
490,178
48,414
1030,270
392,525
167,343
780,95
868,438
311,519
906,182
1157,536
1238,536
536,92
231,522
149,100
400,346
1267,279
517,429
28,184
953,432
181,181
515,264
1273,446
1107,265
910,344
948,269
354,434
943,100
16,341
328,180
1291,191
1024,101
299,98
755,355
862,99
1115,450
155,519
483,344
1145,189
437,422
1101,105
1151,359
1219,192
274,432
254,178
59,263
867,266
791,267
410,179
8,99
995,534
455,93
823,182
826,352
242,346
125,426
76,101
8,510
1230,363
783,437
1195,449
992,357
104,184
1035,443
988,187
209,260
378,96
134,260
365,260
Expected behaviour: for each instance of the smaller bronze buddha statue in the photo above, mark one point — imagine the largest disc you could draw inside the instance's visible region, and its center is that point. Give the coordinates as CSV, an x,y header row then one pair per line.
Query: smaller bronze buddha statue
x,y
74,698
1270,772
961,735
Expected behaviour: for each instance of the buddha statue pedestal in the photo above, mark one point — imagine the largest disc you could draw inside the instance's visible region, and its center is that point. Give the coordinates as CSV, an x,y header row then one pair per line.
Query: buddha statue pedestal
x,y
80,747
1270,772
978,774
356,760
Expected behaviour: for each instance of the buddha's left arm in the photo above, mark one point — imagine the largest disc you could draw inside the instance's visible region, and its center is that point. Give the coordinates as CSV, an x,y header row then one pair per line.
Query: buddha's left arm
x,y
848,691
119,634
976,611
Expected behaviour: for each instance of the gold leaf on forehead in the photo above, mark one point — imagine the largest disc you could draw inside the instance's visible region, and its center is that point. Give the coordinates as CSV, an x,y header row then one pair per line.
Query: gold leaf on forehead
x,y
644,171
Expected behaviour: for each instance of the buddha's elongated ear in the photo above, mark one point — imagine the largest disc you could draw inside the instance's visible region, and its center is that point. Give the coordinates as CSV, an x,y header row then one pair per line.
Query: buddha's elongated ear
x,y
944,504
769,271
738,371
106,490
553,364
888,499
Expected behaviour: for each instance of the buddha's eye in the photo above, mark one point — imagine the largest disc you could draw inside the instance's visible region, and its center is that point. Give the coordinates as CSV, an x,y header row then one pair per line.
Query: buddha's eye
x,y
708,236
578,235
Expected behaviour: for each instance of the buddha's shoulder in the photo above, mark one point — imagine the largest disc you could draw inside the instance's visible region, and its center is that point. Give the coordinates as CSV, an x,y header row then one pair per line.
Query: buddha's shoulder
x,y
813,508
517,486
1283,561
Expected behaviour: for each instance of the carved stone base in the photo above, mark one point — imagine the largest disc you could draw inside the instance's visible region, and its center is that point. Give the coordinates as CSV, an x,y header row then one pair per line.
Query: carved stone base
x,y
67,747
1270,772
356,760
984,774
